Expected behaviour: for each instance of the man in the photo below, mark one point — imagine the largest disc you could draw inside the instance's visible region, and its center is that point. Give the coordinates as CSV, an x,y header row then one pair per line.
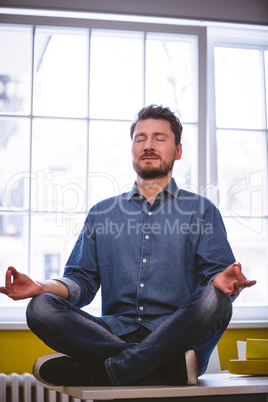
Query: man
x,y
166,270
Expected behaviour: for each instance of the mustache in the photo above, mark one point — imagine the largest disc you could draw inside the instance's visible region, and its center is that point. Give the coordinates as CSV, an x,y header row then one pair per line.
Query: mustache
x,y
149,154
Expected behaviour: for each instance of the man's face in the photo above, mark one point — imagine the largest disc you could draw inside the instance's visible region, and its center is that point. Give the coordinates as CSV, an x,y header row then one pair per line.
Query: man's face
x,y
153,149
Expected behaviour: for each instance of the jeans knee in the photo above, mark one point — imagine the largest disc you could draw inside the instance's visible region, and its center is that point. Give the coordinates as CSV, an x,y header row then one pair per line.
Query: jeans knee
x,y
224,301
217,303
215,315
39,310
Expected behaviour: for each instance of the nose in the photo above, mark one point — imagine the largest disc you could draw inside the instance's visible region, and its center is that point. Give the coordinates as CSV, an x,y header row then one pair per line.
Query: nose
x,y
148,146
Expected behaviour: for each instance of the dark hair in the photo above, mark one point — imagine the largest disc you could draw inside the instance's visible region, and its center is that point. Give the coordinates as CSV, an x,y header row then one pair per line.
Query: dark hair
x,y
159,112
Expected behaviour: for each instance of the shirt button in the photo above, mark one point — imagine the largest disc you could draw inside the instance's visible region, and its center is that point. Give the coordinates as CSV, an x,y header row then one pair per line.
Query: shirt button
x,y
141,308
142,285
139,319
144,260
146,237
149,213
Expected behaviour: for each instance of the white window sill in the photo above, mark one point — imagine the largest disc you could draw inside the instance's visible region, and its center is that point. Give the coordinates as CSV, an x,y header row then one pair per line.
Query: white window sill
x,y
13,326
233,325
248,324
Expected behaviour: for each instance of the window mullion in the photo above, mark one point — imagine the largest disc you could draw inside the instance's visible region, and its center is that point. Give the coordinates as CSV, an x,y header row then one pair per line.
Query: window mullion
x,y
202,111
144,67
212,172
88,121
31,150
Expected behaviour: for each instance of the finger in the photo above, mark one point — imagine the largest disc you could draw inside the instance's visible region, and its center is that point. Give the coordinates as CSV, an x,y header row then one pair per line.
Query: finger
x,y
8,278
3,290
13,270
250,283
236,289
238,264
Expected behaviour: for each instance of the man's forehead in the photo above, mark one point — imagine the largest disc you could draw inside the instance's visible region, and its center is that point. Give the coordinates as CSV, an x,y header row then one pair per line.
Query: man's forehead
x,y
152,126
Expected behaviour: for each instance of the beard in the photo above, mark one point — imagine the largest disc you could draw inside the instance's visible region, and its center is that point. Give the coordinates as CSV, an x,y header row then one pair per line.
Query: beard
x,y
151,172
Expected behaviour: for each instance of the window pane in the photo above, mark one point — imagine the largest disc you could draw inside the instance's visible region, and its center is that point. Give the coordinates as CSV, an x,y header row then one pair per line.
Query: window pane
x,y
15,69
248,238
116,74
238,87
14,163
242,173
52,239
14,247
171,73
59,165
61,72
110,160
185,170
14,240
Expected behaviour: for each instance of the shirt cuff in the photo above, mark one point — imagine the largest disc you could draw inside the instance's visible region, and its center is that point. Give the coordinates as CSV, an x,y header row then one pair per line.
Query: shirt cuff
x,y
212,278
73,289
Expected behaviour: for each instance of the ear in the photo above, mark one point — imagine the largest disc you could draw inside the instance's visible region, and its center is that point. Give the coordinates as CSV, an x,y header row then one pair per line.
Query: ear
x,y
178,152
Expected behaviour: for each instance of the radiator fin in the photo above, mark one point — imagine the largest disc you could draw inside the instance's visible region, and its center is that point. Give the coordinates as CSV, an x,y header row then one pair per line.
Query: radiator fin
x,y
25,388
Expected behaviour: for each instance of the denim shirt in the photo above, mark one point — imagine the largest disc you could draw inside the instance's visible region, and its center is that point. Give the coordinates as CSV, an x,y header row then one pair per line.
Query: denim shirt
x,y
148,259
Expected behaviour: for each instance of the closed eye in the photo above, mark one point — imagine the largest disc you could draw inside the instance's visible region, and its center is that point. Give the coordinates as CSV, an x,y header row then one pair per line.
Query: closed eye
x,y
139,138
160,138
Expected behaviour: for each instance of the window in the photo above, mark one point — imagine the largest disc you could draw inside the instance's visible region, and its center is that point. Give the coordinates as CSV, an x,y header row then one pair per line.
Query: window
x,y
68,94
65,115
240,155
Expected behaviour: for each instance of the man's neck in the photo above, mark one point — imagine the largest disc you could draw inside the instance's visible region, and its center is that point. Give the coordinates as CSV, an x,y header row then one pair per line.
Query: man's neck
x,y
149,188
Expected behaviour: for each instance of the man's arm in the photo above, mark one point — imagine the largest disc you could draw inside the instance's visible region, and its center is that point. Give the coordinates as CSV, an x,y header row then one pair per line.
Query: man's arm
x,y
232,281
19,286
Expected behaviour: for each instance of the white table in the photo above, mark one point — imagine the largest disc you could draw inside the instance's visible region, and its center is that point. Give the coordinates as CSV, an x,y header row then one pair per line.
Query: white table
x,y
210,387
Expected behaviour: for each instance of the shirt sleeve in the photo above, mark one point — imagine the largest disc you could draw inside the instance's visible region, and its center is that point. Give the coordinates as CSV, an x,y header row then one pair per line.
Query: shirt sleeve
x,y
81,274
214,253
73,289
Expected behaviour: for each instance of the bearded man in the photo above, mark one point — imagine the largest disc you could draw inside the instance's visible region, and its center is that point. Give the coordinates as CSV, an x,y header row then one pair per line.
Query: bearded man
x,y
168,278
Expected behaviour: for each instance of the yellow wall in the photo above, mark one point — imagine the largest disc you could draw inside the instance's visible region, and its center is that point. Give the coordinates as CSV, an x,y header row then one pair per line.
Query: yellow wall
x,y
227,346
19,349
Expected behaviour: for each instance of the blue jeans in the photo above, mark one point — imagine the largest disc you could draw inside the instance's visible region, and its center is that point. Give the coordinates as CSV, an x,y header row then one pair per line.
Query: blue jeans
x,y
198,324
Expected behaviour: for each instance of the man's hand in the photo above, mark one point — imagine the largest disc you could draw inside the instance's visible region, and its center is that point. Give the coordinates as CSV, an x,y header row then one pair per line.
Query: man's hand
x,y
231,281
19,286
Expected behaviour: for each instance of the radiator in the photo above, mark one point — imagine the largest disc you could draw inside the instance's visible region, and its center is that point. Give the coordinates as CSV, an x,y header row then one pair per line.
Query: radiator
x,y
25,388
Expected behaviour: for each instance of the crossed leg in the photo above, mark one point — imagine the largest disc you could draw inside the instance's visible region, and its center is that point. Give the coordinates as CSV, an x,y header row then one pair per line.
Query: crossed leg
x,y
197,325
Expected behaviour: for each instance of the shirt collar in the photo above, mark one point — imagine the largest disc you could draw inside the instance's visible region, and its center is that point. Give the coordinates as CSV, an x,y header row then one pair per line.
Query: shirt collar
x,y
171,188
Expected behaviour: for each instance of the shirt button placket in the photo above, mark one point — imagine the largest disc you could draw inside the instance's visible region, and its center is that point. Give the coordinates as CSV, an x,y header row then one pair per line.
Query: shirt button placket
x,y
144,259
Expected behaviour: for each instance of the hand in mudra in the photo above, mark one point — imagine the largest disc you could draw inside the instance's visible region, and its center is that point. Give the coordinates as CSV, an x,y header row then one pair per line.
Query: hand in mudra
x,y
232,281
19,286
